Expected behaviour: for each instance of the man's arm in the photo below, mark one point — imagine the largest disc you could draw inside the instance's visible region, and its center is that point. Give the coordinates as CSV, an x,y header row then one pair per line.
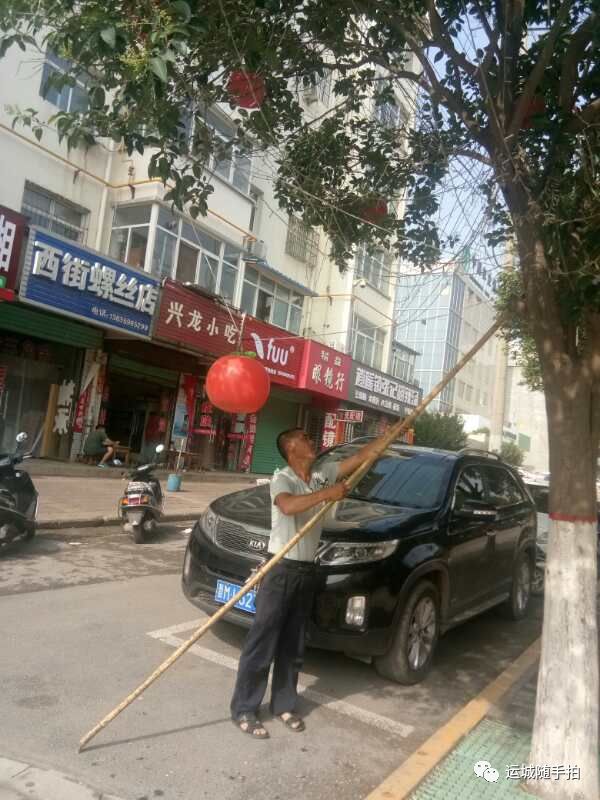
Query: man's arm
x,y
290,504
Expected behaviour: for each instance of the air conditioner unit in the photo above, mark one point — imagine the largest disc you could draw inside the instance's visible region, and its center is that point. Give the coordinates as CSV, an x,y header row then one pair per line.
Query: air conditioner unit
x,y
255,247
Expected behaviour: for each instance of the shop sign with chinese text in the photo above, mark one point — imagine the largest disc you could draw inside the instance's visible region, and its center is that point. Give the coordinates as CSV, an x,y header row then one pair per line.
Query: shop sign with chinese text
x,y
350,415
63,276
326,371
199,323
372,388
12,230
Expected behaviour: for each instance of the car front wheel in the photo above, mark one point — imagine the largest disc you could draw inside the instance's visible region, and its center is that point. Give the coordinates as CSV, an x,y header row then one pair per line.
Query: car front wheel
x,y
410,656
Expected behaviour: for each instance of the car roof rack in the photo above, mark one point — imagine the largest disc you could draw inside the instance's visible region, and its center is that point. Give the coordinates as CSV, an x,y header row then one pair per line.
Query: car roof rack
x,y
475,451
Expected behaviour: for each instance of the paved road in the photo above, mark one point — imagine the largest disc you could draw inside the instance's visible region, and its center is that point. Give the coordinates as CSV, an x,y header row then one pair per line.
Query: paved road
x,y
87,615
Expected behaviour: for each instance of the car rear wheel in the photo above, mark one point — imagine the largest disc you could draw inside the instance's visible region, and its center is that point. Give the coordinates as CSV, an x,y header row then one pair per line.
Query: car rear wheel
x,y
410,656
517,605
537,582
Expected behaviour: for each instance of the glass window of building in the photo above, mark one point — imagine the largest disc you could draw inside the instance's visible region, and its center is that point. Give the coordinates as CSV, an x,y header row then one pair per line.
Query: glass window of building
x,y
182,250
271,302
403,364
230,161
54,213
371,265
367,342
65,98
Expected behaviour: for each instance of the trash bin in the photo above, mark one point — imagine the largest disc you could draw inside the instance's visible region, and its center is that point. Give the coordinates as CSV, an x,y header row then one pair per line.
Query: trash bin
x,y
173,483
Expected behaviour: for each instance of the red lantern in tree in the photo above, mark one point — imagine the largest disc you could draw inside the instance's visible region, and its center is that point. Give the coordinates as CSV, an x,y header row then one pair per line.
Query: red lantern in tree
x,y
537,106
375,211
246,89
238,384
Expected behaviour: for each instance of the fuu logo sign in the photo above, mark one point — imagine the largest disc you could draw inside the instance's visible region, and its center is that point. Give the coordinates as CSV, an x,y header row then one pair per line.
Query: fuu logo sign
x,y
276,354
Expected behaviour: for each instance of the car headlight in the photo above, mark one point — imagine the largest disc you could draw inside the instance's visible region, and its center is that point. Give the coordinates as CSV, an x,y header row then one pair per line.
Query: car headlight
x,y
339,553
208,522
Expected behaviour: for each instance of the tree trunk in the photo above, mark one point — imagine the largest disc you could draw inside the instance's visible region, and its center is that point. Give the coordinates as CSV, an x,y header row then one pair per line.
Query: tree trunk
x,y
565,730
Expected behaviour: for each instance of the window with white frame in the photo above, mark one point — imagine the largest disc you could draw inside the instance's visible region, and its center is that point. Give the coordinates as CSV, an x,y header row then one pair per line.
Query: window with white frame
x,y
302,241
270,301
54,213
372,266
234,164
403,364
181,250
129,237
367,342
69,97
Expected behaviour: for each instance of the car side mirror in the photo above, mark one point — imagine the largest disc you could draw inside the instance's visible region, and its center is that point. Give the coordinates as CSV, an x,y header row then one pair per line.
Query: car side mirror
x,y
474,512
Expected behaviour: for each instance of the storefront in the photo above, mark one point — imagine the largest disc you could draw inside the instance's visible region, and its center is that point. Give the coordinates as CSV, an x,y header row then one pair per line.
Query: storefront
x,y
87,296
381,399
194,321
326,375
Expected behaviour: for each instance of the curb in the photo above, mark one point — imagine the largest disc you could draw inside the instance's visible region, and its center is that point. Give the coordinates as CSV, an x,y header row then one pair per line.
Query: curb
x,y
411,773
17,778
98,522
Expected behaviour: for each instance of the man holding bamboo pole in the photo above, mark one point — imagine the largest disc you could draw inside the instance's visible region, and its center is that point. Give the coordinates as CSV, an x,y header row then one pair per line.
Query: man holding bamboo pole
x,y
285,597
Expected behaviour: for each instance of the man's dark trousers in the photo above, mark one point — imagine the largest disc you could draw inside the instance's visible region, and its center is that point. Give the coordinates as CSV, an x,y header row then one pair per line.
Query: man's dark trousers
x,y
283,604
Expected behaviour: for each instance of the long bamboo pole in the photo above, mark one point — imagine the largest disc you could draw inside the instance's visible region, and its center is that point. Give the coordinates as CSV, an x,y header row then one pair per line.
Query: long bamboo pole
x,y
394,432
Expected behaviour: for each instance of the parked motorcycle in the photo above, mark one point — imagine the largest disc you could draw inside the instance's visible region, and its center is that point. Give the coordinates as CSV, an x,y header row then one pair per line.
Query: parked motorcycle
x,y
141,505
18,496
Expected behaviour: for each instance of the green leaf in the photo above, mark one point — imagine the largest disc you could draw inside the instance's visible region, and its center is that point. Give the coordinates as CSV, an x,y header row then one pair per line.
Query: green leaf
x,y
438,56
109,36
159,67
182,9
38,133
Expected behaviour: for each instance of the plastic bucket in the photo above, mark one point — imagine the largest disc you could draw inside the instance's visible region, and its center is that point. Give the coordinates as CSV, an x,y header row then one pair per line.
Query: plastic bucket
x,y
174,483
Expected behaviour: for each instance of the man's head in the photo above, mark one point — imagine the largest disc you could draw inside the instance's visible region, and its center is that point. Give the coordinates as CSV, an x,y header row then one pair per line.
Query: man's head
x,y
296,445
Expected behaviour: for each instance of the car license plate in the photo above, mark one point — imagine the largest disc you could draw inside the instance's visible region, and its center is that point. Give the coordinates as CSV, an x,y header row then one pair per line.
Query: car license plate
x,y
225,591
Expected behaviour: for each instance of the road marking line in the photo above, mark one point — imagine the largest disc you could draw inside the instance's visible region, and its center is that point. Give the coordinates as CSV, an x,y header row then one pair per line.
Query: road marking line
x,y
404,780
386,724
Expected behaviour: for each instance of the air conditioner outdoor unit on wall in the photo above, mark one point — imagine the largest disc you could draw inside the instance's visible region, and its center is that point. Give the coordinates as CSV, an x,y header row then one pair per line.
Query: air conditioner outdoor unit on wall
x,y
255,247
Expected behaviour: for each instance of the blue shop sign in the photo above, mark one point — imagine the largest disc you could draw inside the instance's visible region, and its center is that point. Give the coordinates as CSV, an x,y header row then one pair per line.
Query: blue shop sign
x,y
63,276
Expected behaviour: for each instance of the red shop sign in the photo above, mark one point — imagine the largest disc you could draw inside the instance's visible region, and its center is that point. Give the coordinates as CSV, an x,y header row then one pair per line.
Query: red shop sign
x,y
325,371
199,323
12,231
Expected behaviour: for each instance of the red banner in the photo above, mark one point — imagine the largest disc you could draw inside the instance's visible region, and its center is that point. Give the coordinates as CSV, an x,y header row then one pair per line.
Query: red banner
x,y
81,410
200,323
325,371
12,230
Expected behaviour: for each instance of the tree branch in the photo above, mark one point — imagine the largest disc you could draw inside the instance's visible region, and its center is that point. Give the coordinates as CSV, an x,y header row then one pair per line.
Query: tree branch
x,y
493,35
481,157
510,16
438,91
536,74
589,115
568,76
443,40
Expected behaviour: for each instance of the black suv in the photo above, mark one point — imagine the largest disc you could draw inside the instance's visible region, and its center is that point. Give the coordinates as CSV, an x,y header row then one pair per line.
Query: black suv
x,y
426,540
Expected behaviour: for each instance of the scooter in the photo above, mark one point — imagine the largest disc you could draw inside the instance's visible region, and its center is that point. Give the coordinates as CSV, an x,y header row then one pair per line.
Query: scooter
x,y
141,505
18,496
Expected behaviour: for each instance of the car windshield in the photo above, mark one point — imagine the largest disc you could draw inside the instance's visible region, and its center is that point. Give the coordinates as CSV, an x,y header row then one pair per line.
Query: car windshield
x,y
400,478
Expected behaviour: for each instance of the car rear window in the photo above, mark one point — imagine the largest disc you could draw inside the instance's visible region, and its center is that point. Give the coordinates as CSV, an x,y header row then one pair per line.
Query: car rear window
x,y
401,478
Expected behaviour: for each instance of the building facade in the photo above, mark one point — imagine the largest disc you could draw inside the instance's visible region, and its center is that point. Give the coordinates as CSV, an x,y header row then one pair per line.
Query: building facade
x,y
115,306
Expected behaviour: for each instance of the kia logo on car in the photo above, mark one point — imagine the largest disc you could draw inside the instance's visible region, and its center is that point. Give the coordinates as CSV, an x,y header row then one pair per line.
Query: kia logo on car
x,y
257,544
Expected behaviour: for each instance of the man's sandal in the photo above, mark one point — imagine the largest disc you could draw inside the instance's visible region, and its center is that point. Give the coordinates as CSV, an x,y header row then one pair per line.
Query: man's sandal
x,y
250,724
292,722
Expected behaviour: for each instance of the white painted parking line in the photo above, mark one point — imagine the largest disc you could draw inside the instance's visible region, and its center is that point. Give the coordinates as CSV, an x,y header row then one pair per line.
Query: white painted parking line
x,y
167,636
